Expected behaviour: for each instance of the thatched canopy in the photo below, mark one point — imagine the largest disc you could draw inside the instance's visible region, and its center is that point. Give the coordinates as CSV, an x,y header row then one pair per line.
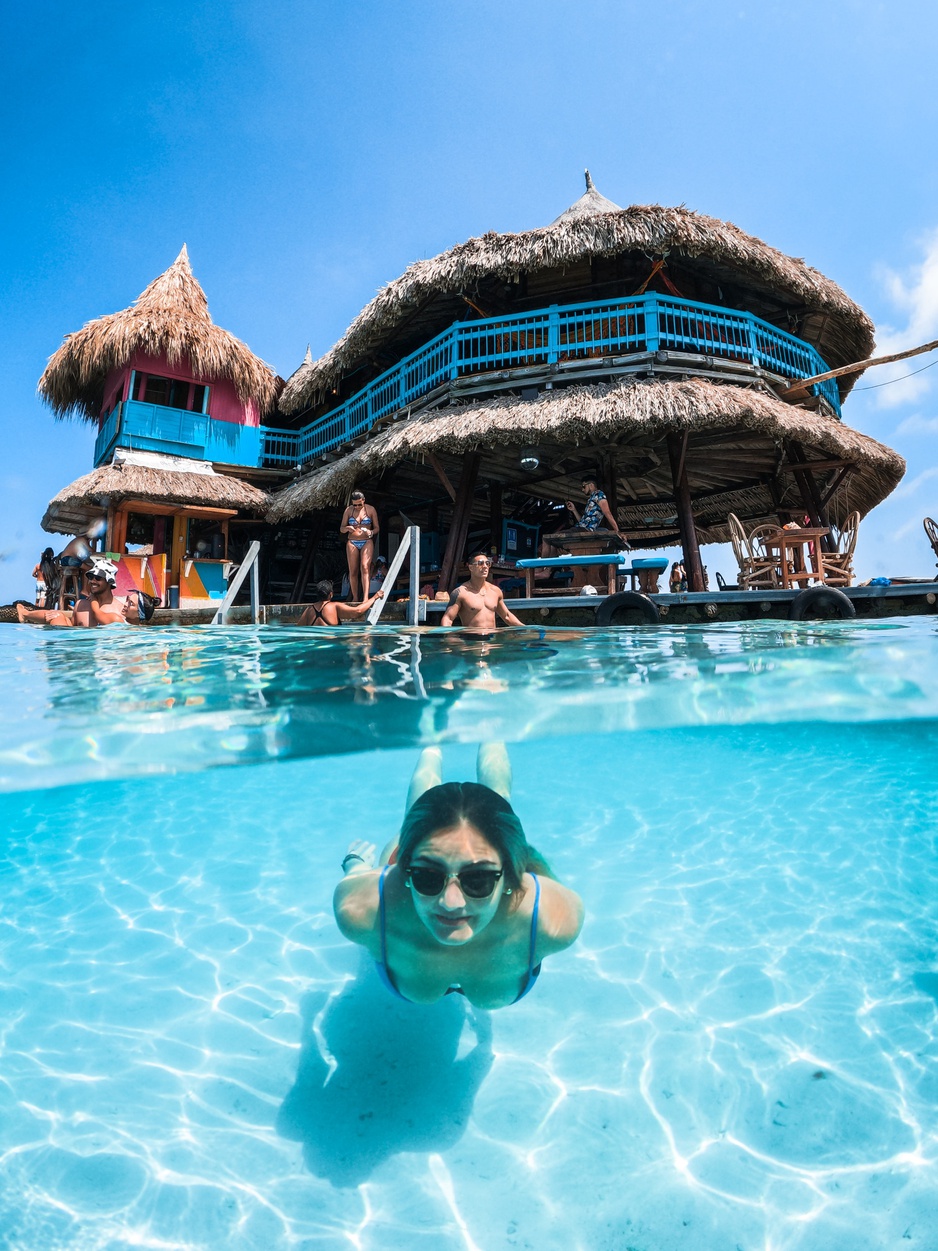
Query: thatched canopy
x,y
171,319
593,250
737,437
158,479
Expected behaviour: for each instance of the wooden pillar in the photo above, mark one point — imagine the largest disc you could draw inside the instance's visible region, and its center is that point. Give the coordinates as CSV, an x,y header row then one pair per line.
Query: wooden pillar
x,y
495,515
309,555
612,483
810,494
459,528
677,453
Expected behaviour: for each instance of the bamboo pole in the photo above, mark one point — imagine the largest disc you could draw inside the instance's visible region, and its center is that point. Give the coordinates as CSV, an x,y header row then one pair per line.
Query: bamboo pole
x,y
803,385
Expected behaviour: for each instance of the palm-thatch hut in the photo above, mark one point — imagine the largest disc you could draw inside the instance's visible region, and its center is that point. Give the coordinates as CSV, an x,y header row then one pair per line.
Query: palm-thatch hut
x,y
172,395
677,334
169,328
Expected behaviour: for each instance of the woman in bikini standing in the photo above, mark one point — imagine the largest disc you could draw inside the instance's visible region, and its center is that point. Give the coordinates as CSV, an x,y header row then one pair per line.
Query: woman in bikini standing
x,y
463,903
360,527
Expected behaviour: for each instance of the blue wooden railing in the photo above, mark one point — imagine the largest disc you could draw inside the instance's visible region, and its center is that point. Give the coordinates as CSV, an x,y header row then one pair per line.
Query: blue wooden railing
x,y
646,323
559,335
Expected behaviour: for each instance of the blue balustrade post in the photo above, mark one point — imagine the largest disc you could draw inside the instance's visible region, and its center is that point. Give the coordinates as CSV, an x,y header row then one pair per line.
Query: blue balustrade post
x,y
752,331
453,351
652,332
553,334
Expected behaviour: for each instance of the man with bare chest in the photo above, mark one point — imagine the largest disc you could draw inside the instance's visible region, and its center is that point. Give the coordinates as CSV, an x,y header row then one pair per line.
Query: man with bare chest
x,y
477,602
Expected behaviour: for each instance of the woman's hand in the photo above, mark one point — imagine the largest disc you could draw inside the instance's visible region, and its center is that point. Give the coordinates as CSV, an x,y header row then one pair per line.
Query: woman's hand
x,y
360,857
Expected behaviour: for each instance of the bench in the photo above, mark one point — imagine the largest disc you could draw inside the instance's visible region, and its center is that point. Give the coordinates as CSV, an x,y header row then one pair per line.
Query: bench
x,y
615,567
612,561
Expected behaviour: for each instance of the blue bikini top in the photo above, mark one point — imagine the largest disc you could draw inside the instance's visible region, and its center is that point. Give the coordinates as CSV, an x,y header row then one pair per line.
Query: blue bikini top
x,y
382,965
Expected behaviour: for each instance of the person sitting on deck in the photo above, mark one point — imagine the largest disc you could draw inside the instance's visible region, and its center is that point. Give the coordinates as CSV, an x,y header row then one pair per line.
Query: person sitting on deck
x,y
323,611
477,602
463,902
596,510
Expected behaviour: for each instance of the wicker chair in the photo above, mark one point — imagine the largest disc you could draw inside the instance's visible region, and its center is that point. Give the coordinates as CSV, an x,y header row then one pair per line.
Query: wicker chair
x,y
765,561
756,568
838,566
931,529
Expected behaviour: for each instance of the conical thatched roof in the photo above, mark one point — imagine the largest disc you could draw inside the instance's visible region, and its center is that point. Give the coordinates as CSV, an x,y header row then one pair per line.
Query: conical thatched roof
x,y
587,232
172,480
589,203
170,318
638,414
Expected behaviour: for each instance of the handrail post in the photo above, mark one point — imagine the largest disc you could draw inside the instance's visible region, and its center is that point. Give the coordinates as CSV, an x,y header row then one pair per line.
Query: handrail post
x,y
652,330
255,591
753,340
248,565
553,334
414,596
376,609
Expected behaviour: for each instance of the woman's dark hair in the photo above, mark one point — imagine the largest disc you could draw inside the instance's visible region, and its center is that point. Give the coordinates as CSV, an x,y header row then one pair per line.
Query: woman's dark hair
x,y
455,803
322,590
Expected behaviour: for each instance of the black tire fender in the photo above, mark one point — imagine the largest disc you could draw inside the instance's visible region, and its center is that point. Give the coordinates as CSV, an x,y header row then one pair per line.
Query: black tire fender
x,y
821,601
612,604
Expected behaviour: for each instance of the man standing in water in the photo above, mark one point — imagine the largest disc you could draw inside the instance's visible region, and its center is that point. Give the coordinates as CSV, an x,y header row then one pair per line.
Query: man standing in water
x,y
477,602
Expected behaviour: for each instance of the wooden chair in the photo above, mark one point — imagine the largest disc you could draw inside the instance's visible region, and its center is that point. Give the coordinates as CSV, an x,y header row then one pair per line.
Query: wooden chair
x,y
931,529
764,560
754,570
838,566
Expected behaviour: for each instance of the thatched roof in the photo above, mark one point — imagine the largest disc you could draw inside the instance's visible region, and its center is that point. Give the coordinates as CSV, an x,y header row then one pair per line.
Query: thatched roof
x,y
170,318
172,480
591,201
636,416
591,229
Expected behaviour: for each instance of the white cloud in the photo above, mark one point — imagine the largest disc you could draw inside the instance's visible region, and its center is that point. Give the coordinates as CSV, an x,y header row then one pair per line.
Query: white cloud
x,y
917,424
910,487
915,296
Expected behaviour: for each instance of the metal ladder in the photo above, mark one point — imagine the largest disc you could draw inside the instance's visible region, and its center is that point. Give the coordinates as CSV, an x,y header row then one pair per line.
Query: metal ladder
x,y
248,566
410,542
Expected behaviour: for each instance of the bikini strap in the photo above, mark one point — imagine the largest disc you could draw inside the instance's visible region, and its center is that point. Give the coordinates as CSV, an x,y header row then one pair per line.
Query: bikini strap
x,y
534,911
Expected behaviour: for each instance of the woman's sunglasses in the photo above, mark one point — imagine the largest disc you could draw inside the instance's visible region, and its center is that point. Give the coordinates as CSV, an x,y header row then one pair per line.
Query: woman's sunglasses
x,y
474,883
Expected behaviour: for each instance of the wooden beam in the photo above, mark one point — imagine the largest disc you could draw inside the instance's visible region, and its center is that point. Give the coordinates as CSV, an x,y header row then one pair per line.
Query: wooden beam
x,y
802,386
804,476
442,475
459,527
677,447
316,524
817,466
831,490
495,514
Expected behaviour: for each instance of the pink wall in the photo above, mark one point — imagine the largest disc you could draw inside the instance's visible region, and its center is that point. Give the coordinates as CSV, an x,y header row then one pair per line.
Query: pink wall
x,y
223,401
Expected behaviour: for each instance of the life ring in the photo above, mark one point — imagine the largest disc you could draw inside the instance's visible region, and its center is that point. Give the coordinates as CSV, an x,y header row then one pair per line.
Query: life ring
x,y
632,600
821,601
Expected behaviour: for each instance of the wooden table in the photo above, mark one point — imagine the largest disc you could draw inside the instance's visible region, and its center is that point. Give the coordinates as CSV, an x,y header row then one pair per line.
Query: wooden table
x,y
790,542
579,542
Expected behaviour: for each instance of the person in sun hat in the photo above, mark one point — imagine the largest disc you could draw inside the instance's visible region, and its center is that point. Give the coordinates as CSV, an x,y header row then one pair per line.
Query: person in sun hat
x,y
463,902
97,606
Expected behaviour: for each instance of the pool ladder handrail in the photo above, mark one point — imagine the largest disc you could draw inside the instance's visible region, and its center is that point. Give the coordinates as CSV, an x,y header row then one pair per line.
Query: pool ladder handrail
x,y
248,566
410,542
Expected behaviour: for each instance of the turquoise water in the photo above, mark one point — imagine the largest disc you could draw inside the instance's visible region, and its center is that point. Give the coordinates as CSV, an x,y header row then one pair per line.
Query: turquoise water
x,y
740,1051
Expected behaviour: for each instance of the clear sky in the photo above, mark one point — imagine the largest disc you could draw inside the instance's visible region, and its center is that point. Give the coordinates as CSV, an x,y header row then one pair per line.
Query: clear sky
x,y
307,151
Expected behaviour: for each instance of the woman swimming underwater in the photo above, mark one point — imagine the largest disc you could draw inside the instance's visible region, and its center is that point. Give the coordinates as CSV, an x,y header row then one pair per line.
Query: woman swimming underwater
x,y
462,902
